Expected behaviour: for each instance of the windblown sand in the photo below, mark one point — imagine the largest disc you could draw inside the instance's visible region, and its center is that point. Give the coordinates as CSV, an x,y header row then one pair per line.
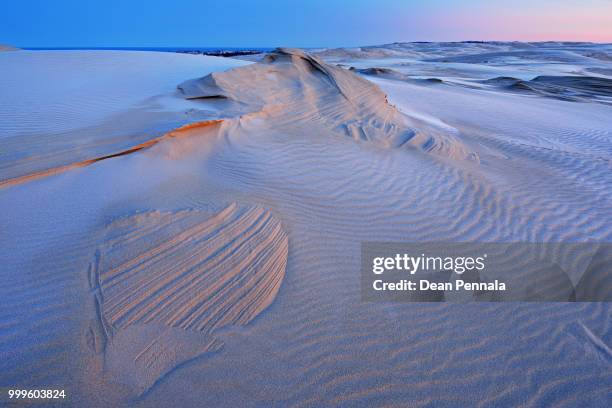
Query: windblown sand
x,y
149,263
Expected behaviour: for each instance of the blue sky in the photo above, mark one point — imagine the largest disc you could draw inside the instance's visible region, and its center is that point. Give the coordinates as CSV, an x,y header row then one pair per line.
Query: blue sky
x,y
313,23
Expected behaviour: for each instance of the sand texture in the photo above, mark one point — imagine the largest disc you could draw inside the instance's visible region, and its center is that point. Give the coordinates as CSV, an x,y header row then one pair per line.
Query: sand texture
x,y
290,87
181,230
158,277
63,107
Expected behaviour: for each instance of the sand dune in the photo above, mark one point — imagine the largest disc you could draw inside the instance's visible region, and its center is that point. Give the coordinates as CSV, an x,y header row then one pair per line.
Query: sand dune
x,y
568,88
63,107
470,51
123,278
290,86
180,131
470,61
576,88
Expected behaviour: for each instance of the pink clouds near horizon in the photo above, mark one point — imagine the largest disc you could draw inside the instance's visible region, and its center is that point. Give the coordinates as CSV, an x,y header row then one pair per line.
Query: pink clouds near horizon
x,y
521,22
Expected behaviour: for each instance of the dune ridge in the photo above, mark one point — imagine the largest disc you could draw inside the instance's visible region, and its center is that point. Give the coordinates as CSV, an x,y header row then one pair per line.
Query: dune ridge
x,y
178,132
576,88
61,107
291,86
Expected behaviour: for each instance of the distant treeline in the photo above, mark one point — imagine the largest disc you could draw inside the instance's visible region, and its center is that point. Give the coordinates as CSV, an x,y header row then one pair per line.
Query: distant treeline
x,y
222,53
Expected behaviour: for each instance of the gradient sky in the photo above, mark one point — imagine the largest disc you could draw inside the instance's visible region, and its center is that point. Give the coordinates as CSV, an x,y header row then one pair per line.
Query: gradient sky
x,y
312,23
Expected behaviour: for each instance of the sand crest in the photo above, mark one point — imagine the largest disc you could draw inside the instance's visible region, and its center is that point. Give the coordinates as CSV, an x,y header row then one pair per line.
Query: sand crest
x,y
180,131
290,87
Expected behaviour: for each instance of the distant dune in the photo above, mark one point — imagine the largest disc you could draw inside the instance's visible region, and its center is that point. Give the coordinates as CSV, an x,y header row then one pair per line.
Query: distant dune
x,y
568,88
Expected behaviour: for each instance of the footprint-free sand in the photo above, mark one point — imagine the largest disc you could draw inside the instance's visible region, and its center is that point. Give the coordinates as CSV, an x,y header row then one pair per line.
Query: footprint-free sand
x,y
182,230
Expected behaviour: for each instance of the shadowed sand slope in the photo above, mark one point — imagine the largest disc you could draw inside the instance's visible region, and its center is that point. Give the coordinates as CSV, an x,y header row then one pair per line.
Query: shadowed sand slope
x,y
292,87
63,107
184,130
165,282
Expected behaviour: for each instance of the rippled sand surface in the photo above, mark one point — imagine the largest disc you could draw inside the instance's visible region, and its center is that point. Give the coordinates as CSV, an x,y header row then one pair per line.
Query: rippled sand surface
x,y
185,230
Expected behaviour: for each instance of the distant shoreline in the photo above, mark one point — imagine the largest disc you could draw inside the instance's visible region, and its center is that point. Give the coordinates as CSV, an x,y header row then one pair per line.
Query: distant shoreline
x,y
215,51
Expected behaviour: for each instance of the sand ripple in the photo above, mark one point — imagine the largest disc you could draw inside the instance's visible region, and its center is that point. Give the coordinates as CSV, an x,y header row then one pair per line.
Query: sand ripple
x,y
291,86
165,282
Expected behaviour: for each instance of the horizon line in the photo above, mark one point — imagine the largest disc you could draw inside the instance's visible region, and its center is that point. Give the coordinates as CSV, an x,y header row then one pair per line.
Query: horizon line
x,y
290,46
